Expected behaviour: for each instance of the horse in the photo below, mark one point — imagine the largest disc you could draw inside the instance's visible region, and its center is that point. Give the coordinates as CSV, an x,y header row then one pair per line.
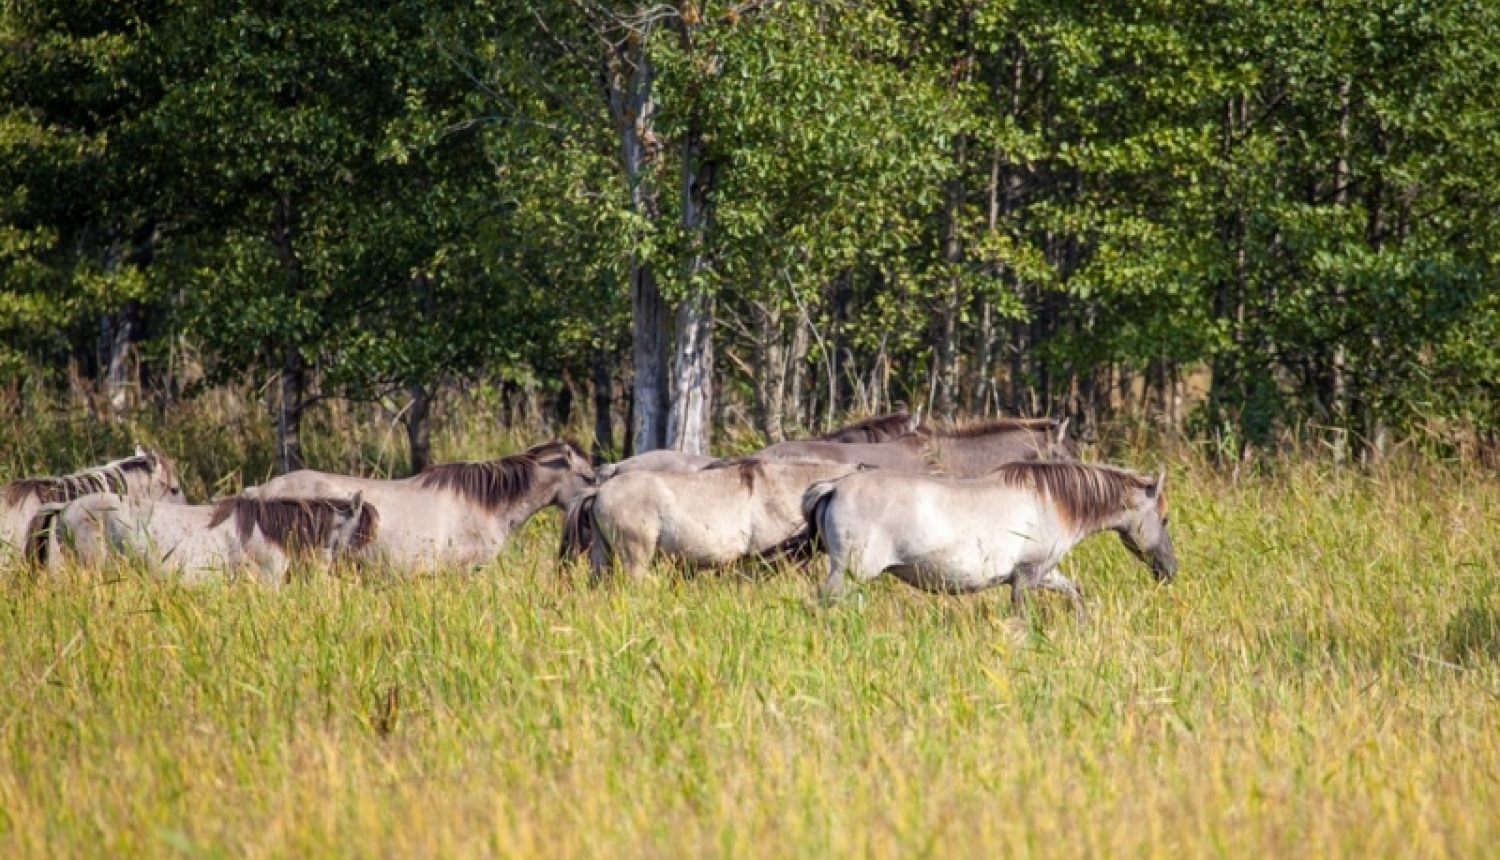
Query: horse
x,y
960,452
458,514
1011,526
145,475
710,517
199,542
879,428
972,450
661,460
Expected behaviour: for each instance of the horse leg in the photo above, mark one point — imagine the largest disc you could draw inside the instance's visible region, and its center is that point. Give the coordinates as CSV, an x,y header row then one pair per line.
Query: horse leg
x,y
1022,578
1054,580
833,587
599,558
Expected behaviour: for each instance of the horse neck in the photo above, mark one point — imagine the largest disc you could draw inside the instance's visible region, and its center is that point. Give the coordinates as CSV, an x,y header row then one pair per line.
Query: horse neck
x,y
543,492
1064,536
138,485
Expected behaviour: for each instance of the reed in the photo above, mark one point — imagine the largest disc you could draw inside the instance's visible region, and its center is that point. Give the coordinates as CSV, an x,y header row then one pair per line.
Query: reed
x,y
1323,679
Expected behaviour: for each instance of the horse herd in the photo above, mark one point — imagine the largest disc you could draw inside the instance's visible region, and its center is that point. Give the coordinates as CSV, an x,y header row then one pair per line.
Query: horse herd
x,y
944,509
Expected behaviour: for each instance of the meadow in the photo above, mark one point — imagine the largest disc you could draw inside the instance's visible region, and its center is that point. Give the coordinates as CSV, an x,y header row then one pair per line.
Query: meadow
x,y
1323,679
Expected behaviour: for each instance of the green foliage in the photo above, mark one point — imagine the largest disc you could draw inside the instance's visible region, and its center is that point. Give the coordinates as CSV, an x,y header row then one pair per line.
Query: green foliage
x,y
1037,199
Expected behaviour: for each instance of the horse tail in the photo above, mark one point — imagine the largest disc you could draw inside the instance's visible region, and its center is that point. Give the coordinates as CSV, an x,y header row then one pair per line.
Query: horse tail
x,y
814,504
578,526
41,534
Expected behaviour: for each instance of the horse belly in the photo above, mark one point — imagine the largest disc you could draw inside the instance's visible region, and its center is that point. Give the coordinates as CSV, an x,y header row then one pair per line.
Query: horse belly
x,y
430,532
704,539
933,540
951,573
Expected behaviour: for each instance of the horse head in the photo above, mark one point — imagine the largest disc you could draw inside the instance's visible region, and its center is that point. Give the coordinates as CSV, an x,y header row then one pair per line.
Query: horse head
x,y
569,464
1143,528
152,475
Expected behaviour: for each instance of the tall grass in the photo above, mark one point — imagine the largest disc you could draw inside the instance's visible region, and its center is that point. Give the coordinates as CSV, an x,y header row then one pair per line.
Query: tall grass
x,y
1323,679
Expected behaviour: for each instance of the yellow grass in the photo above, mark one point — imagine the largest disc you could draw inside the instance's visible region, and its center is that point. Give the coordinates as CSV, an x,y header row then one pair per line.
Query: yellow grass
x,y
1322,680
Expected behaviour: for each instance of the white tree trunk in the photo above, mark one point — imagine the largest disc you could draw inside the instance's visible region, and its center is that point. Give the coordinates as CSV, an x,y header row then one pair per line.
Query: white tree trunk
x,y
690,424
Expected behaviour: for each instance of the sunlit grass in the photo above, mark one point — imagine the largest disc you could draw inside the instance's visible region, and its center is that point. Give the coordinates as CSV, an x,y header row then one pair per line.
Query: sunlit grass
x,y
1323,679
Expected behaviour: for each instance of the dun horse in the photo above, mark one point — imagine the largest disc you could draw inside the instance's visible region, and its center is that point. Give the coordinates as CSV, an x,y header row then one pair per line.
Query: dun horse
x,y
1012,526
881,428
709,517
663,460
961,452
146,475
200,542
453,513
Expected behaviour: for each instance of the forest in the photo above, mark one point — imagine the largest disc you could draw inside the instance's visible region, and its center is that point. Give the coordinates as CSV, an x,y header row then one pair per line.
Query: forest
x,y
1251,223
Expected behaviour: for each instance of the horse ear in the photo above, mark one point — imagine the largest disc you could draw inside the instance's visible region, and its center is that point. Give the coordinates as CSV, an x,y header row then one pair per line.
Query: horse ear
x,y
357,503
1158,485
1062,430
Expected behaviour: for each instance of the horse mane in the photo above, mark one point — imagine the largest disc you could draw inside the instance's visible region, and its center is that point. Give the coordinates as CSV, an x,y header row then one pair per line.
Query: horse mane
x,y
108,478
492,484
878,428
748,468
1087,495
293,523
996,427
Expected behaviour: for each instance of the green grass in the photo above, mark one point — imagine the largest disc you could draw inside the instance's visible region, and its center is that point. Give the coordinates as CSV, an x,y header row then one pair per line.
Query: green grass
x,y
1323,679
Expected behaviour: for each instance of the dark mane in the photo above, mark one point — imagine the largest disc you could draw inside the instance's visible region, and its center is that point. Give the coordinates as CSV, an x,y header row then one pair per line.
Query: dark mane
x,y
1087,494
748,468
293,523
998,426
108,478
879,428
492,484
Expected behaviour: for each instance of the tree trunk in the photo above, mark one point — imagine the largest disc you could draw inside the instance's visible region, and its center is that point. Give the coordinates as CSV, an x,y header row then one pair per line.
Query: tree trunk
x,y
293,399
799,388
947,345
418,428
604,387
648,342
770,372
628,443
562,406
1337,384
690,423
120,331
984,378
289,410
629,77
